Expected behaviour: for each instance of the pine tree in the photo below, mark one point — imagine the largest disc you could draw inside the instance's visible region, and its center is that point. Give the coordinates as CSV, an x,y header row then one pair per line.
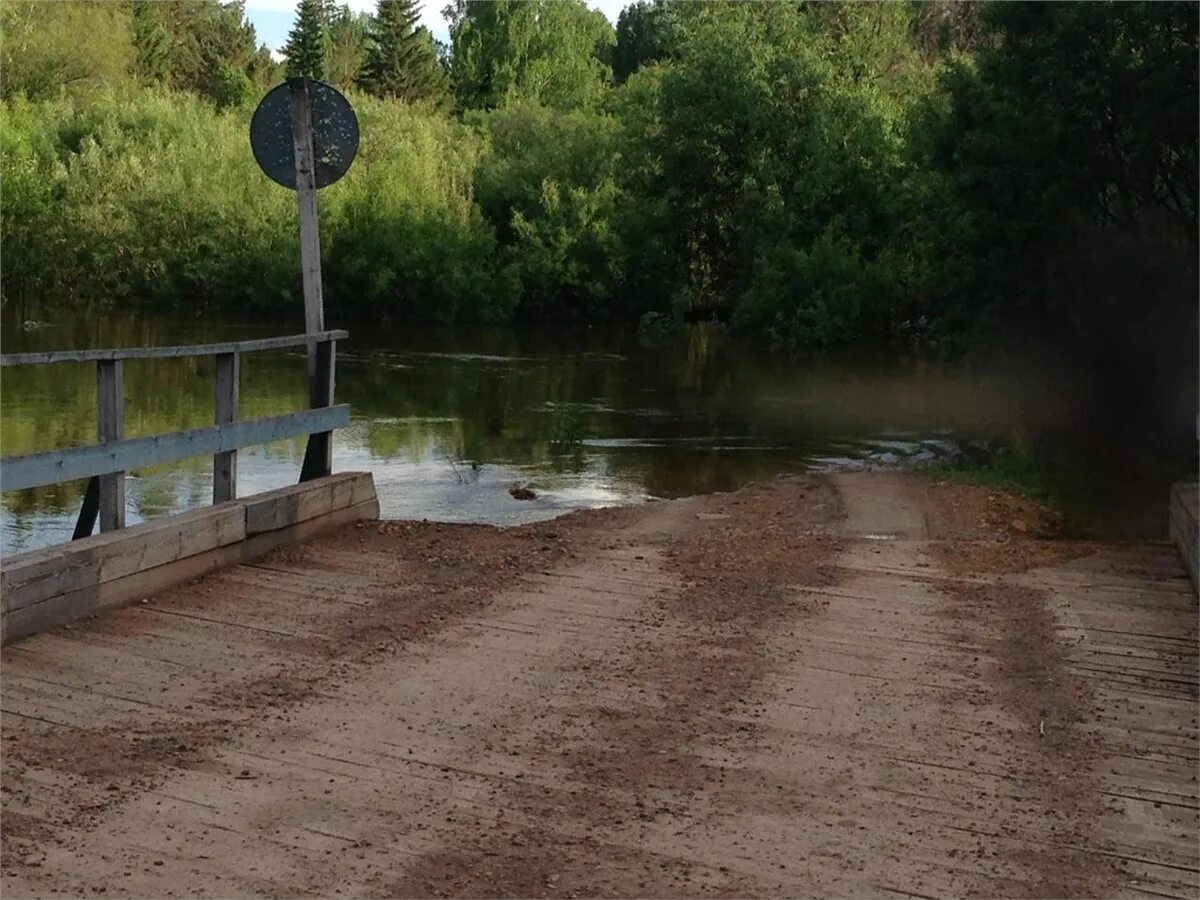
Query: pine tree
x,y
308,41
401,59
151,44
347,46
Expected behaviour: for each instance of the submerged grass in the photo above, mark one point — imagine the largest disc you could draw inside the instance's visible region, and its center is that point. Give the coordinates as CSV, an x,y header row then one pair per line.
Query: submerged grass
x,y
1010,472
1018,466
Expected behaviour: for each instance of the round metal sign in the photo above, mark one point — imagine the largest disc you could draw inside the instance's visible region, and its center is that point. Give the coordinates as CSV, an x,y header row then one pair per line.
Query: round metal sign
x,y
335,134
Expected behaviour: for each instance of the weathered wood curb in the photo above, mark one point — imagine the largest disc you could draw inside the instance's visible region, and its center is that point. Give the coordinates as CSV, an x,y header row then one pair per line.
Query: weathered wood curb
x,y
1185,527
44,588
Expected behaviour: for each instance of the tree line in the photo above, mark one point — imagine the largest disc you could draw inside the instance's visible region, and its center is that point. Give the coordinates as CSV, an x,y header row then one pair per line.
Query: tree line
x,y
811,173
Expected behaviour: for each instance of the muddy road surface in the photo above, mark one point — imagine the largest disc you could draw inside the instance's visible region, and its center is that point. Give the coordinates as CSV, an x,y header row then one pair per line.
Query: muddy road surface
x,y
862,685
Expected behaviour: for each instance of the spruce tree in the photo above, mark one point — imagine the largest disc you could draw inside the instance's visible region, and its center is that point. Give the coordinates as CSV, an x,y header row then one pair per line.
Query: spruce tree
x,y
401,60
307,43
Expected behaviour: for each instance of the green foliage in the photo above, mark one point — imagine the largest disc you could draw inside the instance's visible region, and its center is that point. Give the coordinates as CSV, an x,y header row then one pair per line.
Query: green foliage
x,y
948,26
809,296
1074,130
152,44
401,61
308,41
550,52
568,427
403,239
1015,466
154,200
549,185
347,47
779,140
200,46
42,54
811,174
139,200
656,326
647,31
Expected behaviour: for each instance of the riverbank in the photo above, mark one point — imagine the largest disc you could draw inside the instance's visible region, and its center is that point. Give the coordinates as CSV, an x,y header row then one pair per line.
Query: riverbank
x,y
847,684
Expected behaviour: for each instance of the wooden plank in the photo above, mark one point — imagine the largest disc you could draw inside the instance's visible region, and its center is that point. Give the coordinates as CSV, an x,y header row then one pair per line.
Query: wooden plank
x,y
318,455
134,587
228,387
287,506
275,343
110,403
30,578
56,466
362,489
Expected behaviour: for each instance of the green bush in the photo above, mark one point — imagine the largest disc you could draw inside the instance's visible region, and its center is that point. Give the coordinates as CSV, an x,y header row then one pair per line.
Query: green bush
x,y
548,183
142,199
154,199
812,173
404,239
808,297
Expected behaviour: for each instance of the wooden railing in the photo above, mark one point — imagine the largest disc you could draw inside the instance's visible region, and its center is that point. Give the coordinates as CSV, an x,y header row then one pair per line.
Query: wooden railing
x,y
105,463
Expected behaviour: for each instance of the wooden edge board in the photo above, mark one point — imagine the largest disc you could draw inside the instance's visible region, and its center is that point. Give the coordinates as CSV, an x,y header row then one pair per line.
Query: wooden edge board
x,y
29,578
132,588
277,509
1184,527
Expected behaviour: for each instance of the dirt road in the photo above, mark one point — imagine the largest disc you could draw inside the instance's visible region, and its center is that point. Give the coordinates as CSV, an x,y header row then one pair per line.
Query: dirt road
x,y
856,686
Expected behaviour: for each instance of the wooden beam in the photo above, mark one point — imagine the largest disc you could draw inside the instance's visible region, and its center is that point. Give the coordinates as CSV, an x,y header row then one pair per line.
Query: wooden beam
x,y
287,506
228,387
110,403
275,343
30,578
57,466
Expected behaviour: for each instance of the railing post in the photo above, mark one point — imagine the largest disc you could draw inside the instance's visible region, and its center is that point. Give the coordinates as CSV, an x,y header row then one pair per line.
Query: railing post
x,y
110,408
229,367
318,455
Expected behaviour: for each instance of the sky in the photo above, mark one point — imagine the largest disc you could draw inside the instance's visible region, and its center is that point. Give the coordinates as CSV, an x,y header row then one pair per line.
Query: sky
x,y
272,19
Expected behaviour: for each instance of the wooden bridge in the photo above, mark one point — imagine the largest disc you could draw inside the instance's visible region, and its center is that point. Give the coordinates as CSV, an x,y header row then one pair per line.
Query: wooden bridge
x,y
47,587
858,685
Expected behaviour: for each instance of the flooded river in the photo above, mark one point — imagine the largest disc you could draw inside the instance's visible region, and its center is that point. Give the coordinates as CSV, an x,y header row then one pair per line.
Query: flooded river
x,y
449,423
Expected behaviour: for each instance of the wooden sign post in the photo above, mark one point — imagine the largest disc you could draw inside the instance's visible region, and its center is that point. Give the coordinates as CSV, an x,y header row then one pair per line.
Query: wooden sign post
x,y
306,199
304,135
318,455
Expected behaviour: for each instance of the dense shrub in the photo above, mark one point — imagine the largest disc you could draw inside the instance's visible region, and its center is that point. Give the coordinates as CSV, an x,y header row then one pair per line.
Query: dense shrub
x,y
810,173
146,198
153,198
548,183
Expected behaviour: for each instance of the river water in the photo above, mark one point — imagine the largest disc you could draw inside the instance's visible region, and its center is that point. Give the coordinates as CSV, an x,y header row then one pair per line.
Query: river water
x,y
449,422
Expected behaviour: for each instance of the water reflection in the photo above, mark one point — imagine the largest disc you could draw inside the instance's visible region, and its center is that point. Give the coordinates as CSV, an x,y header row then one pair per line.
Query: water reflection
x,y
449,421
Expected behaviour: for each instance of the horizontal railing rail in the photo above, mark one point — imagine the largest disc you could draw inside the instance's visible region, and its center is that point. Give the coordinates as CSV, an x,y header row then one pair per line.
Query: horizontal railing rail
x,y
275,343
106,462
56,466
